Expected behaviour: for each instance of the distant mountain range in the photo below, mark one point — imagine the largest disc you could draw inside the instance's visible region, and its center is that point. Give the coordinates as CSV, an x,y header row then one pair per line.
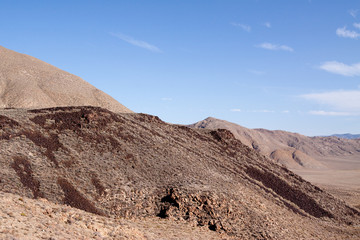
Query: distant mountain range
x,y
293,150
347,136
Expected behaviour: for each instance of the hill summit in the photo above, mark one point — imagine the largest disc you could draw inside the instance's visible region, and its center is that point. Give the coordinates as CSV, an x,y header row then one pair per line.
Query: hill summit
x,y
27,82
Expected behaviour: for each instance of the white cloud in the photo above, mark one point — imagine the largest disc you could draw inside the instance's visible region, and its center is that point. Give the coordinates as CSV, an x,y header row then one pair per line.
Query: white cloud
x,y
166,99
353,12
267,24
341,68
327,113
285,111
344,101
235,110
242,26
357,25
263,111
343,32
270,46
137,43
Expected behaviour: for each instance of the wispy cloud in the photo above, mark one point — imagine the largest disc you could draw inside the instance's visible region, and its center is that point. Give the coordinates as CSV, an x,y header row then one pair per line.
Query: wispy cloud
x,y
327,113
244,27
344,32
138,43
357,25
267,24
262,111
258,111
353,12
167,99
341,68
256,72
270,46
342,100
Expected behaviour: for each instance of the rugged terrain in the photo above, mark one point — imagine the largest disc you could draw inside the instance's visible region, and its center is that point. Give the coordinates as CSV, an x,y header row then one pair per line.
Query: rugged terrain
x,y
27,82
134,166
331,162
29,219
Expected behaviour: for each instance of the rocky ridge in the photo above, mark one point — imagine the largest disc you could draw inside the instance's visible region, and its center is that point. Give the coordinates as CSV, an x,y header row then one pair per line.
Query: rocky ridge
x,y
135,166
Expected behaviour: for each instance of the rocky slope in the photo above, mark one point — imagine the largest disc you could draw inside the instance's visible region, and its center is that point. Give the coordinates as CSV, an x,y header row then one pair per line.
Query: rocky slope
x,y
293,150
27,82
29,219
135,166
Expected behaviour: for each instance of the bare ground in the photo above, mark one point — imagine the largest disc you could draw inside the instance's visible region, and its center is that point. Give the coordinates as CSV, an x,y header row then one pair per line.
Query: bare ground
x,y
28,219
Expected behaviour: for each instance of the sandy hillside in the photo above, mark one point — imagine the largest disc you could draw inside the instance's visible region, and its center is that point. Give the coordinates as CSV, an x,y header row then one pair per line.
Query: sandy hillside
x,y
27,82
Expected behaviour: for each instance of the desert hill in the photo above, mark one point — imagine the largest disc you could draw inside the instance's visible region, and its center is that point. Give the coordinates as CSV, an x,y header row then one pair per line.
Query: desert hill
x,y
135,166
291,149
331,162
27,82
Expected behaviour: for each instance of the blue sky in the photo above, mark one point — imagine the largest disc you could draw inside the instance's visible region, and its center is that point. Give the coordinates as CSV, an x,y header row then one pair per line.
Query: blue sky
x,y
289,65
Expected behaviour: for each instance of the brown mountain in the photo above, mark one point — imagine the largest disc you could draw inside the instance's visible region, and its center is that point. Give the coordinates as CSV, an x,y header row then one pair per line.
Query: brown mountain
x,y
331,162
134,166
293,150
27,82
